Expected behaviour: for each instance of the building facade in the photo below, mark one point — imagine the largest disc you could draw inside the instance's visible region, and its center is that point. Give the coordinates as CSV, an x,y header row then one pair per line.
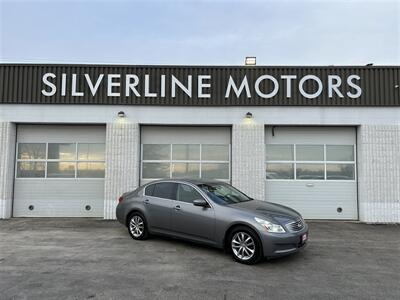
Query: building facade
x,y
322,140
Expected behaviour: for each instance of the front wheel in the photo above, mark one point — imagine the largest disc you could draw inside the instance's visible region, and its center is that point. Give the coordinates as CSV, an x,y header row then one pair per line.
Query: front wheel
x,y
137,226
245,246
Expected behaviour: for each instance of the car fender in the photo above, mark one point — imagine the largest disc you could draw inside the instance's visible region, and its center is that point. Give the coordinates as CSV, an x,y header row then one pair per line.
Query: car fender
x,y
239,223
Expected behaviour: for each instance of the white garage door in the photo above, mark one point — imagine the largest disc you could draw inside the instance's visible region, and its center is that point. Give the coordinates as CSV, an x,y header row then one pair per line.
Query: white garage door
x,y
185,152
313,170
59,171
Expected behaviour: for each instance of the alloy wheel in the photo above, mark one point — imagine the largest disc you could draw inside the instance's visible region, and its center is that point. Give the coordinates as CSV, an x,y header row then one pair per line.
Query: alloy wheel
x,y
243,245
136,226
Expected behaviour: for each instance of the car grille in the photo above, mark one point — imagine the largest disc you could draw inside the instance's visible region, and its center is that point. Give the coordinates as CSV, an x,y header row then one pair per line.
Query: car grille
x,y
295,226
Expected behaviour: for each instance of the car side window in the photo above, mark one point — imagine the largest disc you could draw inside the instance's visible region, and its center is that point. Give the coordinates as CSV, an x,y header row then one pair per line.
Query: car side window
x,y
166,190
187,194
149,190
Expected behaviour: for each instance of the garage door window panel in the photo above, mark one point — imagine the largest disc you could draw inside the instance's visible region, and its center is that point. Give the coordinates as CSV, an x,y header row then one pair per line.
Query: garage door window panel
x,y
280,171
30,151
31,160
310,153
310,171
60,160
156,152
152,170
215,171
61,151
91,160
185,161
215,152
61,169
186,152
31,169
279,152
90,170
93,152
310,162
185,170
340,171
280,161
339,152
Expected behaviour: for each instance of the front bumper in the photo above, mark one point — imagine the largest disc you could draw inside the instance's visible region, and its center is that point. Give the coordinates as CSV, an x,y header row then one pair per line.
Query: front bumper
x,y
275,244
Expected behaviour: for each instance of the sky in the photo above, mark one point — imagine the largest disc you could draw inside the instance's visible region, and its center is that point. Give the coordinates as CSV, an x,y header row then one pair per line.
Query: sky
x,y
172,32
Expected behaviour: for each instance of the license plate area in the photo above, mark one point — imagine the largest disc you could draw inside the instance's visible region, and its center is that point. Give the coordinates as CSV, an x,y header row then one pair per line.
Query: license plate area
x,y
304,238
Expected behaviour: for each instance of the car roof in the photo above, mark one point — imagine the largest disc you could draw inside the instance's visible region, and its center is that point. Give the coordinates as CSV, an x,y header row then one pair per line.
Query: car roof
x,y
188,180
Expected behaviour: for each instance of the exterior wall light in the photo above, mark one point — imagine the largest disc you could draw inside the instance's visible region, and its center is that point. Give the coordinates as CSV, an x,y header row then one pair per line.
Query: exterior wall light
x,y
121,114
249,115
250,61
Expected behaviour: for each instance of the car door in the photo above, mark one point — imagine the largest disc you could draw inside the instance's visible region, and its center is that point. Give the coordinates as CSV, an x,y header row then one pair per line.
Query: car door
x,y
192,221
159,198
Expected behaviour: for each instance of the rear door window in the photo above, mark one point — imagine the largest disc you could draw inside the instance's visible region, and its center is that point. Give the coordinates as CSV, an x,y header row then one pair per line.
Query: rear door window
x,y
149,190
166,190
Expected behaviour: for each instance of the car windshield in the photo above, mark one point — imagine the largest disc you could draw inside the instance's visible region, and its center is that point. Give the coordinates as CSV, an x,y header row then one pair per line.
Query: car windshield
x,y
223,193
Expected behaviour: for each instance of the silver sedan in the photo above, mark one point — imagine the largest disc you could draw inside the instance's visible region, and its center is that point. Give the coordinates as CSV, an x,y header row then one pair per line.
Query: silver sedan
x,y
214,213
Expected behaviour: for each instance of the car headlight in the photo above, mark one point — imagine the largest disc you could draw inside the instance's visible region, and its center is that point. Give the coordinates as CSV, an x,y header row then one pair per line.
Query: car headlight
x,y
271,227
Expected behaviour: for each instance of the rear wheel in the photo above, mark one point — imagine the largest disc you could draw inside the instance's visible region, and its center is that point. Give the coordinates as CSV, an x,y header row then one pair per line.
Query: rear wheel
x,y
245,245
137,226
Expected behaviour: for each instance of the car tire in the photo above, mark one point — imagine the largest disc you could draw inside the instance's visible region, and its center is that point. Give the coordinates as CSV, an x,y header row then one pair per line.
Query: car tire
x,y
137,226
245,245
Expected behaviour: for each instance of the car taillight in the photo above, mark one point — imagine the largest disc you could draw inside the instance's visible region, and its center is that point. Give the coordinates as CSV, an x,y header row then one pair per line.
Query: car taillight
x,y
120,199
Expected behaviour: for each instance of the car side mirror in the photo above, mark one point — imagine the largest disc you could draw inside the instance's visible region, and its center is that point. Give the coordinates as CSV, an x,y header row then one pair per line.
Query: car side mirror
x,y
200,202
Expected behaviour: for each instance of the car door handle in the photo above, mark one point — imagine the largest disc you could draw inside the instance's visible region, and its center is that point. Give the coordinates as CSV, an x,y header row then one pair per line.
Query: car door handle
x,y
177,207
147,201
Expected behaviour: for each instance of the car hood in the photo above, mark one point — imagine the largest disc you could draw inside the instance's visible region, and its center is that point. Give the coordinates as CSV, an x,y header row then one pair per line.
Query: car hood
x,y
270,210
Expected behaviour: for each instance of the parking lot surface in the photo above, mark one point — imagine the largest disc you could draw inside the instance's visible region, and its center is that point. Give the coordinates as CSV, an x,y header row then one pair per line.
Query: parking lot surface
x,y
96,259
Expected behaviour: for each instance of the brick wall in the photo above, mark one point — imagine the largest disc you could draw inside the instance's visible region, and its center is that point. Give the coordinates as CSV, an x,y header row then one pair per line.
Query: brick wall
x,y
7,154
122,163
379,173
248,150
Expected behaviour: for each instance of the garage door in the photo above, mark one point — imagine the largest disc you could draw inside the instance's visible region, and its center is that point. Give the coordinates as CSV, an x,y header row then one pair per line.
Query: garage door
x,y
185,152
59,171
313,170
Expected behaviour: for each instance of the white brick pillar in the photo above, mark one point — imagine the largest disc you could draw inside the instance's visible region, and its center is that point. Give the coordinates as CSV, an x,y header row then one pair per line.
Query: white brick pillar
x,y
248,162
379,173
7,159
122,163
